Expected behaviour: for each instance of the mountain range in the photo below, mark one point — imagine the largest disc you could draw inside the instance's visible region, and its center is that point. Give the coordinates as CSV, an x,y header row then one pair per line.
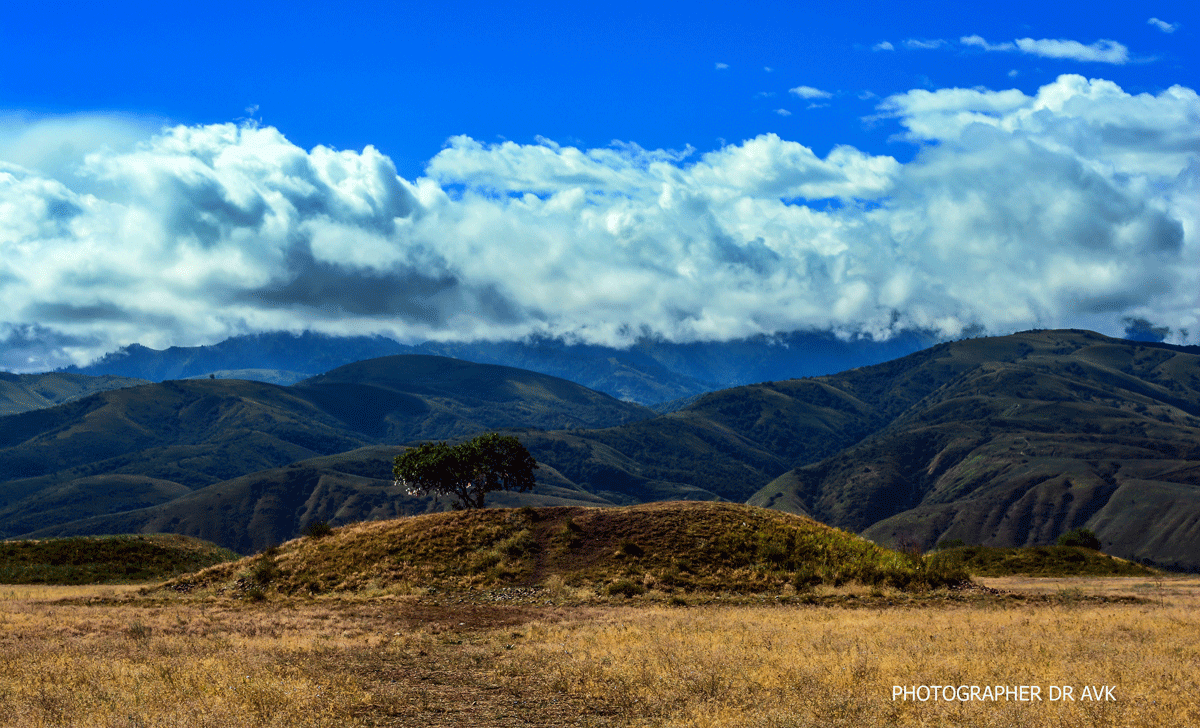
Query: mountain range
x,y
651,372
999,441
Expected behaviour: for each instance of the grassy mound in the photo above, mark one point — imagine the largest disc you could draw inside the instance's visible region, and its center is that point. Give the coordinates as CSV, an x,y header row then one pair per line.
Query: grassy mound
x,y
1036,561
106,559
670,547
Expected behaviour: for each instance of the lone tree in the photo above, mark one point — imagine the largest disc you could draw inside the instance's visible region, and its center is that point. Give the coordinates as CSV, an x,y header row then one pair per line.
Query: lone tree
x,y
468,471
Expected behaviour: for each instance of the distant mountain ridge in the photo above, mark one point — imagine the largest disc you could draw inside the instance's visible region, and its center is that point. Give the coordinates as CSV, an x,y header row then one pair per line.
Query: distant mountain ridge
x,y
650,372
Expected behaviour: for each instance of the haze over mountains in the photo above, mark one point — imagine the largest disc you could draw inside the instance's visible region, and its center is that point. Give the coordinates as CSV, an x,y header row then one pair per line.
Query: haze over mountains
x,y
999,441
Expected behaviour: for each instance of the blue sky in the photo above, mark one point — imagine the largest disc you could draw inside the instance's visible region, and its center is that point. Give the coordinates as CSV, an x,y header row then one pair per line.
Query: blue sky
x,y
692,171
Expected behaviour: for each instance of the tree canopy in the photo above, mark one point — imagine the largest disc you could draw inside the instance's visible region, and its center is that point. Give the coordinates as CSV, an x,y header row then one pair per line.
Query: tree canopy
x,y
468,471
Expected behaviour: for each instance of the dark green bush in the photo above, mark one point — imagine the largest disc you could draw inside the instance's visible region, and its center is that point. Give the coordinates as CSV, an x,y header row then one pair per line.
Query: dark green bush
x,y
265,571
625,588
629,548
805,578
318,529
1080,537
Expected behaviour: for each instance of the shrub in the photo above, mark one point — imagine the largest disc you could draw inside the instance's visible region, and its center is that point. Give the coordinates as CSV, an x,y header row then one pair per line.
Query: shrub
x,y
139,632
670,576
518,544
265,571
484,560
569,536
318,529
773,552
629,548
625,588
805,578
1080,537
951,543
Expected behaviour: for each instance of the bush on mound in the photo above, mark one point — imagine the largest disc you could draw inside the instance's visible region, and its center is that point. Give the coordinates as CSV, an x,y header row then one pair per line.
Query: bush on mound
x,y
669,547
1036,561
106,559
1080,537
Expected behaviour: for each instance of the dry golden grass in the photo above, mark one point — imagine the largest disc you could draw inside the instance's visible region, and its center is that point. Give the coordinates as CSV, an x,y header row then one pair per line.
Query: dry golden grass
x,y
103,657
107,657
25,592
1181,589
115,663
788,666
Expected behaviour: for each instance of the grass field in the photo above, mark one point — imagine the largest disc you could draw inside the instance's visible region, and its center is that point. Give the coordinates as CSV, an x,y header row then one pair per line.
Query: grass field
x,y
108,656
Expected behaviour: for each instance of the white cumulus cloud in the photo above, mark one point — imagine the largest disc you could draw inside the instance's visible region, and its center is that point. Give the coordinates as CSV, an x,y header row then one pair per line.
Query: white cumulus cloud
x,y
1102,51
975,40
1075,206
1163,25
808,92
923,44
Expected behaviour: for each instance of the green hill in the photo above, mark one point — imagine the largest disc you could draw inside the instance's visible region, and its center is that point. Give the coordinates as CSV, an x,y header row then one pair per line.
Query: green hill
x,y
725,445
399,399
1012,441
26,392
671,547
105,559
127,451
183,435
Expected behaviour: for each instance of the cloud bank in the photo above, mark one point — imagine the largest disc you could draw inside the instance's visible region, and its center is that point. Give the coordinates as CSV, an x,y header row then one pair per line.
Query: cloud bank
x,y
1076,206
